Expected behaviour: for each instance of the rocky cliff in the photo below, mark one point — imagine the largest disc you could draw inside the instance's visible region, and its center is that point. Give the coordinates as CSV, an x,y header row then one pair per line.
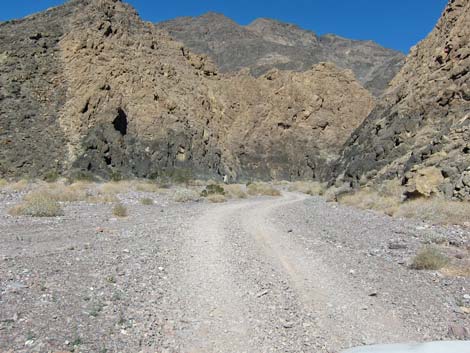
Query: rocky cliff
x,y
266,44
89,87
420,130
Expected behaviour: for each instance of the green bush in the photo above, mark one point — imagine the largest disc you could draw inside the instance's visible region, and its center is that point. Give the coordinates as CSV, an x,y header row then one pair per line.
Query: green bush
x,y
213,189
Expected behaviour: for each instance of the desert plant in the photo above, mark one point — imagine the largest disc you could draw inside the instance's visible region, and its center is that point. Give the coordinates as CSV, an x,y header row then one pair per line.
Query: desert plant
x,y
213,189
144,186
3,183
307,187
119,210
262,189
429,258
436,210
146,201
185,195
51,176
38,205
235,191
216,198
368,198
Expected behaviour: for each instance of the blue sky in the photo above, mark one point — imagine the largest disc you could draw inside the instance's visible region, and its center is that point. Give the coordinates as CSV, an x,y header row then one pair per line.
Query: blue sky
x,y
397,24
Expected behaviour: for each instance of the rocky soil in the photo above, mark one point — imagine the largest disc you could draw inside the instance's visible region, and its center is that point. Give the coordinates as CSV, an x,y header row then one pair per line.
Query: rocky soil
x,y
420,127
266,44
288,274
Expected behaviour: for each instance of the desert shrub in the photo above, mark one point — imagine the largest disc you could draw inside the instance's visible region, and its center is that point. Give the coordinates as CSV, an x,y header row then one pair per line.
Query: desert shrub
x,y
39,204
216,198
235,191
262,189
115,175
146,201
116,187
307,187
213,189
51,176
429,258
119,210
436,210
144,186
19,185
64,193
3,183
370,199
80,175
185,195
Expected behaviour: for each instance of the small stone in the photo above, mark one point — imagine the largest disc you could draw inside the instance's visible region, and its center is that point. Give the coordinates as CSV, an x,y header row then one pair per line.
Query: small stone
x,y
373,294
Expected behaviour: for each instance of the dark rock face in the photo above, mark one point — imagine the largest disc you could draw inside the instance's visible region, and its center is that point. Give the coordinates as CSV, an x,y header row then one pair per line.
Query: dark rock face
x,y
90,87
267,44
422,123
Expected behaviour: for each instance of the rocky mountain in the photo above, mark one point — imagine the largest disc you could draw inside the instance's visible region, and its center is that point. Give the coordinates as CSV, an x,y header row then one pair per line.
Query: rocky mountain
x,y
266,44
88,87
420,130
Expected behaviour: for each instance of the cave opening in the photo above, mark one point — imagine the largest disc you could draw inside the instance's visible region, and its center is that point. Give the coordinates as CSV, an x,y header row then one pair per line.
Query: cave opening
x,y
120,122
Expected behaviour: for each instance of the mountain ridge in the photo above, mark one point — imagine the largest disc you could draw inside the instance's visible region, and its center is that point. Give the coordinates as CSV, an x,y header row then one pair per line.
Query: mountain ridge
x,y
267,43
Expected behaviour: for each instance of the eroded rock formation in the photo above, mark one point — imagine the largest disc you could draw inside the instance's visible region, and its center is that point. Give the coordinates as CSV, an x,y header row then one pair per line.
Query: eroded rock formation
x,y
266,44
90,87
423,121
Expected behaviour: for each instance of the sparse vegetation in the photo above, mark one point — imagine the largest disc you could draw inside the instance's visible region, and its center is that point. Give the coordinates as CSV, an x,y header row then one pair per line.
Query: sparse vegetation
x,y
3,183
436,210
119,210
39,204
185,195
51,177
235,191
144,186
213,189
262,189
307,187
429,258
216,198
146,201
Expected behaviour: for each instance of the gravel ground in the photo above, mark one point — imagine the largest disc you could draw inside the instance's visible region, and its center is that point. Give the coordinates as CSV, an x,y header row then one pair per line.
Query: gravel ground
x,y
288,274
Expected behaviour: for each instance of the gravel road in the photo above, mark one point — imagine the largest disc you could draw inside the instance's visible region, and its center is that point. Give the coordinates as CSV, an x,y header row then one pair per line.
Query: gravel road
x,y
287,274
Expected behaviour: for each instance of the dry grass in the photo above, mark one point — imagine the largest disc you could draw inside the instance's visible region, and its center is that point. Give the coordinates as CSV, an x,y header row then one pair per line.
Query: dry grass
x,y
235,191
429,258
185,195
216,198
18,186
145,186
262,189
371,200
307,187
436,211
146,201
3,183
65,193
119,210
385,198
39,204
456,271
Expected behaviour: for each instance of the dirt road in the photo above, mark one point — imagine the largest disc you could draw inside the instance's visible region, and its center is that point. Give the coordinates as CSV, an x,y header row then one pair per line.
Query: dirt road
x,y
288,274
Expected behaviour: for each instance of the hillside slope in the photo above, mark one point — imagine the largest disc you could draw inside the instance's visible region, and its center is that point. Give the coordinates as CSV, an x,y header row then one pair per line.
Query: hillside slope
x,y
88,87
421,126
266,44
